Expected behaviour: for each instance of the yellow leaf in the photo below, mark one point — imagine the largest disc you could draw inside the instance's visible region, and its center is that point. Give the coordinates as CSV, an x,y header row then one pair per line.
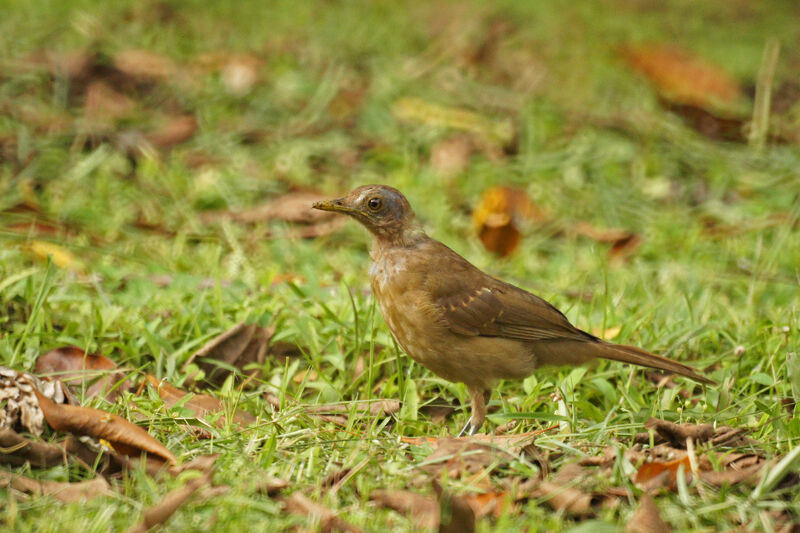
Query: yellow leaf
x,y
418,110
61,257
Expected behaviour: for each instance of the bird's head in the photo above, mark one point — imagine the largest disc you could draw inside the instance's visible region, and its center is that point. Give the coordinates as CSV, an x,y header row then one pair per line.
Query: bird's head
x,y
383,210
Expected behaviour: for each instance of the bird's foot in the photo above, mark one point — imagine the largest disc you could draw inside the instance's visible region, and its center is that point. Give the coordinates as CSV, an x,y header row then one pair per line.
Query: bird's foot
x,y
469,429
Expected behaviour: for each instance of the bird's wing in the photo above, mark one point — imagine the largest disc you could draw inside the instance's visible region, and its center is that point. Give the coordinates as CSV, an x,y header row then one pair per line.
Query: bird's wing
x,y
473,303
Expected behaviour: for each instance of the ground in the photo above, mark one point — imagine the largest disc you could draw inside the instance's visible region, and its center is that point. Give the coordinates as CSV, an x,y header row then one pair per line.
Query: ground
x,y
133,168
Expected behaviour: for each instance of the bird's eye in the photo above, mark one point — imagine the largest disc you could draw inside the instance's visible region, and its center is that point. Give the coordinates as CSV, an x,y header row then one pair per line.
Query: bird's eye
x,y
374,203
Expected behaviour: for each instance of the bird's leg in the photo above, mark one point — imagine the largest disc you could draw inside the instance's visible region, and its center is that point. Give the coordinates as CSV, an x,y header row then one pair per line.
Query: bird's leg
x,y
480,397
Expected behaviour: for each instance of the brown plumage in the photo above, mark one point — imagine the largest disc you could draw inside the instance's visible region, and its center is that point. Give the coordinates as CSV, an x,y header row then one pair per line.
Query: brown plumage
x,y
459,322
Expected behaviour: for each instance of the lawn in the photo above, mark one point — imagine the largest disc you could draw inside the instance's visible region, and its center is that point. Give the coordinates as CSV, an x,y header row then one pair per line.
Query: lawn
x,y
156,163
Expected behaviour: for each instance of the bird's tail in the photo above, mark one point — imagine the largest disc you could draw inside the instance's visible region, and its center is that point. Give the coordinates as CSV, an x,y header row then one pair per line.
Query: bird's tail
x,y
637,356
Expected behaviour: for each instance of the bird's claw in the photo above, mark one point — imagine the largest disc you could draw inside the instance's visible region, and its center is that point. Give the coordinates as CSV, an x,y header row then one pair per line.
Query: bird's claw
x,y
468,429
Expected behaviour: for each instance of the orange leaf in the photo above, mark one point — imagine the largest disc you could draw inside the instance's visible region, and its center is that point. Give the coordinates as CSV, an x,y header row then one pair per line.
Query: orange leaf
x,y
683,78
498,215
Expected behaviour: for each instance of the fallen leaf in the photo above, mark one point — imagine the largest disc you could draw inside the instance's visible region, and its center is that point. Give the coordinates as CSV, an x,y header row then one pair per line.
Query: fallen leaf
x,y
299,503
562,495
678,433
16,450
623,242
124,436
374,407
646,518
657,474
61,256
74,367
162,511
271,486
422,510
608,333
498,216
105,105
144,64
455,514
494,503
682,77
174,130
200,404
419,111
450,156
66,492
238,347
460,456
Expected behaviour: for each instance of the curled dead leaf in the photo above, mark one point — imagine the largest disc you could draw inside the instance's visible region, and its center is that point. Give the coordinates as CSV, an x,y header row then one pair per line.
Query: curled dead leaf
x,y
174,130
161,512
455,513
124,436
499,215
682,77
450,157
646,518
74,367
17,450
299,503
144,64
200,404
422,510
241,345
66,492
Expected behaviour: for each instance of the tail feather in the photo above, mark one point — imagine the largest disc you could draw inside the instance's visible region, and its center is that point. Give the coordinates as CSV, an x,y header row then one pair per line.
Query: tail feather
x,y
638,356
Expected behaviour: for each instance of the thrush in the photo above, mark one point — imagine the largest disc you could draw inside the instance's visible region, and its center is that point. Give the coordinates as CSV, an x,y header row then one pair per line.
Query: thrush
x,y
458,321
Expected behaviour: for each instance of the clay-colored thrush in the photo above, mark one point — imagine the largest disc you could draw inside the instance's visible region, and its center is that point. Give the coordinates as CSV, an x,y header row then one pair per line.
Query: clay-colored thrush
x,y
459,322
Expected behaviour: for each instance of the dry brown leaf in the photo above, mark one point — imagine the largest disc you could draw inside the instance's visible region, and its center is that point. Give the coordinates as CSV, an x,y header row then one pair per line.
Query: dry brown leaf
x,y
104,104
74,367
646,518
374,408
125,437
16,450
200,404
422,510
144,64
238,347
450,156
462,456
66,492
299,503
678,433
682,77
498,216
271,486
162,511
174,130
623,242
561,494
455,514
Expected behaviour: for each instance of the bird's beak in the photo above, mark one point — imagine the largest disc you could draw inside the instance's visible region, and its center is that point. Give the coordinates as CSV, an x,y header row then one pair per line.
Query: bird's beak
x,y
338,205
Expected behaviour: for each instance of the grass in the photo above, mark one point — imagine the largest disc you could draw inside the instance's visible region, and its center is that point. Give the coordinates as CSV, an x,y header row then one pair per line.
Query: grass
x,y
688,293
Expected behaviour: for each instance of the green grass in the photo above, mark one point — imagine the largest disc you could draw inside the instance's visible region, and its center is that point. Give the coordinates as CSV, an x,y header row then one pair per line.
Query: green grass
x,y
686,293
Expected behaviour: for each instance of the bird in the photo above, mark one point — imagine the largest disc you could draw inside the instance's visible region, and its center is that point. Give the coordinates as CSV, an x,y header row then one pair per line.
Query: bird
x,y
461,323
